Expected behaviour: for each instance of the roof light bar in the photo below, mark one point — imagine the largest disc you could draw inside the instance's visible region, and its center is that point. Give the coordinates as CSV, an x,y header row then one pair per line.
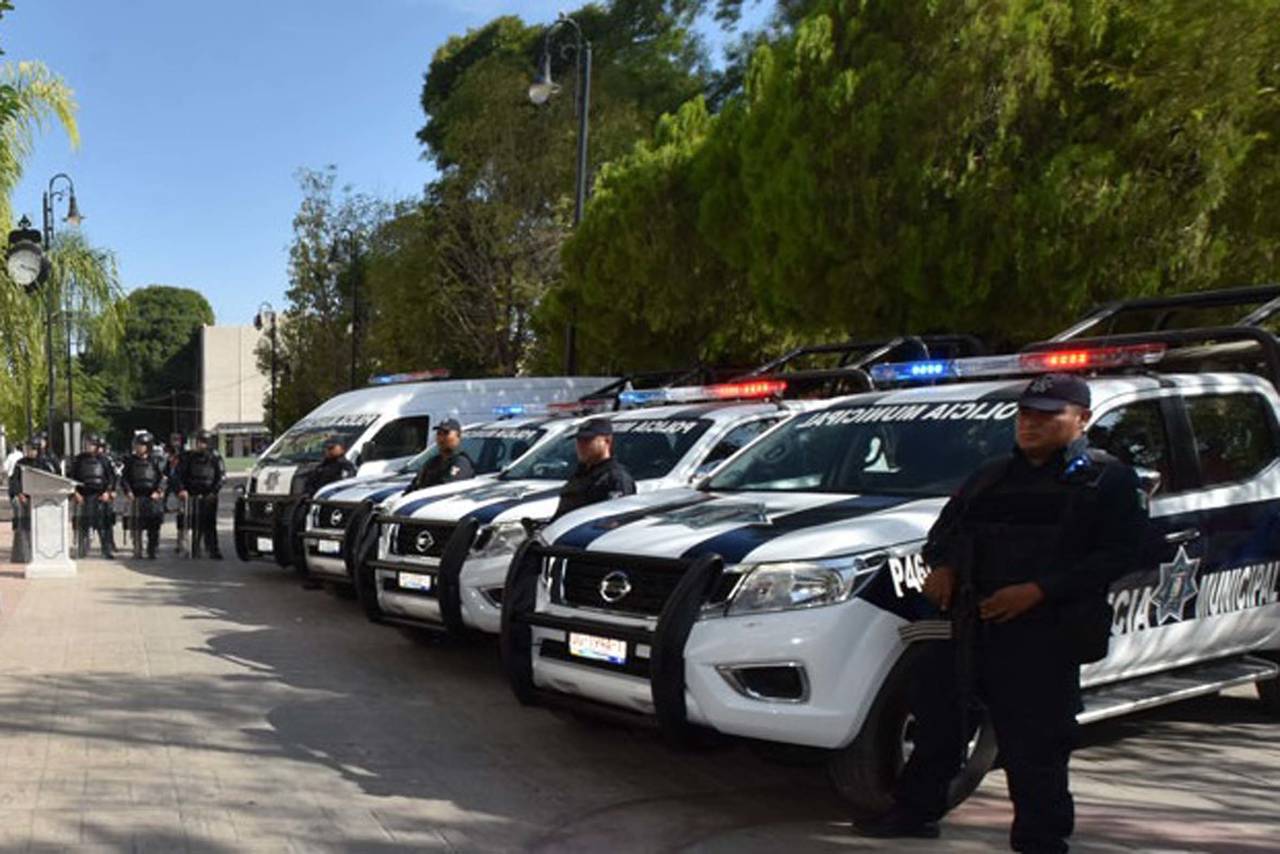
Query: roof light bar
x,y
1048,361
414,377
510,410
751,390
580,407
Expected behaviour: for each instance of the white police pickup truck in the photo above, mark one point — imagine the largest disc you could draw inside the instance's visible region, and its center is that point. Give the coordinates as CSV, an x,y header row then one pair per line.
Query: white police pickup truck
x,y
337,512
442,559
779,600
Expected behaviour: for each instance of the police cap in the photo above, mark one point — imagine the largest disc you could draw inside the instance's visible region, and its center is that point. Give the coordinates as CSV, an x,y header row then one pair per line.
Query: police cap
x,y
335,442
1054,392
593,427
449,425
144,437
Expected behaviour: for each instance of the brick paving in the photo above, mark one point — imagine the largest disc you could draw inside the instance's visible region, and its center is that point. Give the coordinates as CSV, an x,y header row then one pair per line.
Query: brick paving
x,y
217,707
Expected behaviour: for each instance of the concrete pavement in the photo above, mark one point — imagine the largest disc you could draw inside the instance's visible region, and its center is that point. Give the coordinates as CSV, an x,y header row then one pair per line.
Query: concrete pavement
x,y
217,707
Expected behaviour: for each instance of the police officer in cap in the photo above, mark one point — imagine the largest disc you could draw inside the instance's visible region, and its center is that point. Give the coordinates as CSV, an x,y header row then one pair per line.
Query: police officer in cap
x,y
1022,557
599,477
48,459
143,481
334,467
452,463
21,502
108,508
200,474
95,481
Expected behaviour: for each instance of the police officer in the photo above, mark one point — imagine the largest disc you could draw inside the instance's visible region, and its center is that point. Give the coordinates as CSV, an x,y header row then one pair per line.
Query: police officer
x,y
599,477
1022,558
21,502
48,459
109,504
334,467
200,474
171,460
452,463
144,482
94,492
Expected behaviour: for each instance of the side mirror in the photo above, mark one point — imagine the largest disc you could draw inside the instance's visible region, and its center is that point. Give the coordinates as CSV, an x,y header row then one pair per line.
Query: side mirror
x,y
1150,480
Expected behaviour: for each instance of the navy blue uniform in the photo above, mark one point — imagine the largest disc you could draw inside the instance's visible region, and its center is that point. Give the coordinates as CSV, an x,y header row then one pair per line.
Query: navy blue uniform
x,y
443,468
603,481
201,473
1072,526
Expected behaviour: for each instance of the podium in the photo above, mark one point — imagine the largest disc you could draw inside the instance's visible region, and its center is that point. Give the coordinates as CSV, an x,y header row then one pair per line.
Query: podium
x,y
50,545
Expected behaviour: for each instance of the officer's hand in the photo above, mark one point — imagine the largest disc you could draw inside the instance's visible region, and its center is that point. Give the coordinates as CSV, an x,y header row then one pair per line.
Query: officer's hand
x,y
939,585
157,495
182,494
1010,602
78,498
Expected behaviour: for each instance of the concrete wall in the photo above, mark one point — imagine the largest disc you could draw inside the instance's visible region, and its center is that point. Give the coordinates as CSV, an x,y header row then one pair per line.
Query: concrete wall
x,y
231,387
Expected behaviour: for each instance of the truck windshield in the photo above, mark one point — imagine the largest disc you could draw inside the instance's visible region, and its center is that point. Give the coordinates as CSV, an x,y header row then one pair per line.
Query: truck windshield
x,y
305,444
914,449
490,449
648,448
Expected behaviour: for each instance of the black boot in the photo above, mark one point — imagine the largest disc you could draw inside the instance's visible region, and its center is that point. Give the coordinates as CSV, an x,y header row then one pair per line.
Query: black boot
x,y
897,824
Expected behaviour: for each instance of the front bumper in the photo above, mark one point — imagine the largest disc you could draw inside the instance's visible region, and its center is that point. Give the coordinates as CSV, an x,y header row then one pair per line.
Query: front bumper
x,y
831,659
322,551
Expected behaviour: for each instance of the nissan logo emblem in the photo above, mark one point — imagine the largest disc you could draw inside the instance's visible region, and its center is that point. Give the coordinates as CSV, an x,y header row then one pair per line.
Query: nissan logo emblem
x,y
423,541
335,518
615,586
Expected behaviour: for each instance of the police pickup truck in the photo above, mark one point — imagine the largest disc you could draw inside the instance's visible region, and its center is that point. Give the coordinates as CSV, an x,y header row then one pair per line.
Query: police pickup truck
x,y
336,514
442,559
779,600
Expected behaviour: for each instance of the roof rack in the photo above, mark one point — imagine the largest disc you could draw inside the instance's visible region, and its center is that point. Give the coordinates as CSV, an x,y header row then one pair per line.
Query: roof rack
x,y
1166,308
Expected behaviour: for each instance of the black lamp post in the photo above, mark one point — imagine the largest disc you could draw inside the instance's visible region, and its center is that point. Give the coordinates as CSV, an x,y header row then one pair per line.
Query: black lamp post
x,y
74,217
29,269
352,240
541,91
267,315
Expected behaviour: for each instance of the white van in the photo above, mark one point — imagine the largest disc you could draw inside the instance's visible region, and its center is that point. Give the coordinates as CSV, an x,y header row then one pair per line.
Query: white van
x,y
383,425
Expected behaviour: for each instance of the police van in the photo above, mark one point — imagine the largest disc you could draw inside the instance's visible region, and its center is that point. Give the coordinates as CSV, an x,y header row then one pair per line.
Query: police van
x,y
383,425
442,557
337,514
780,599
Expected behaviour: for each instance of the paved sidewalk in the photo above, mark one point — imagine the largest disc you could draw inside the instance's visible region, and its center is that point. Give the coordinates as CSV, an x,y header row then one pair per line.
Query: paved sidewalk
x,y
217,707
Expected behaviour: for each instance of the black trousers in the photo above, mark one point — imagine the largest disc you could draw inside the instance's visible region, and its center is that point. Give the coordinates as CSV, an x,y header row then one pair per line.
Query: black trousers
x,y
1030,687
204,523
93,515
148,514
21,530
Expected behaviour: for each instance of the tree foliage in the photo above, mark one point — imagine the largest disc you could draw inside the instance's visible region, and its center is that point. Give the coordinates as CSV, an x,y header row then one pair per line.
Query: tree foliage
x,y
974,165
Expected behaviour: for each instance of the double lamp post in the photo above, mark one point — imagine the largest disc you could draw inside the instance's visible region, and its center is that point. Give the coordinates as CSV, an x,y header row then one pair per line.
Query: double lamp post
x,y
29,268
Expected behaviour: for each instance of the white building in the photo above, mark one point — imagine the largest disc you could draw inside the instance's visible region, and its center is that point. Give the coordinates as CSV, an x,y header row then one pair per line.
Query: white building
x,y
232,389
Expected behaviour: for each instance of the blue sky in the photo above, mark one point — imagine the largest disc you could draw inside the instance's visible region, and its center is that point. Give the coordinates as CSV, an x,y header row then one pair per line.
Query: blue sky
x,y
195,116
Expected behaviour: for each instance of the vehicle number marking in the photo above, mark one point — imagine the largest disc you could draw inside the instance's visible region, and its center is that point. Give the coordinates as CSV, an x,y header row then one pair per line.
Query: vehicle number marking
x,y
597,648
908,572
329,547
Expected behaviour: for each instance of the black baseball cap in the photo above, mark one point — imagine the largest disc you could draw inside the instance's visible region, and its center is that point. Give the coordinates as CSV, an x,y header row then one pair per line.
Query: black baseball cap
x,y
1054,392
593,427
335,442
449,424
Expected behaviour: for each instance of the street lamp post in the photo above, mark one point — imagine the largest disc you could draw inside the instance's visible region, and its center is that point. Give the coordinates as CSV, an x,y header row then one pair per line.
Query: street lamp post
x,y
29,268
541,91
73,217
267,315
353,255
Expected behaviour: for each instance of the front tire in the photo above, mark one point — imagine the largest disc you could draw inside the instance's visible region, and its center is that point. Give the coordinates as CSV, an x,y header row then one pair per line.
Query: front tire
x,y
864,773
1269,689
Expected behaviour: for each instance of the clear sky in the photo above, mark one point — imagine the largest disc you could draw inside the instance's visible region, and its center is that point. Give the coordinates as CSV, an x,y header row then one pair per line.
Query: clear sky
x,y
194,117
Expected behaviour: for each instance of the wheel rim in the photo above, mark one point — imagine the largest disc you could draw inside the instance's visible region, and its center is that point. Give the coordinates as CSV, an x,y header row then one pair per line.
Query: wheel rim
x,y
907,744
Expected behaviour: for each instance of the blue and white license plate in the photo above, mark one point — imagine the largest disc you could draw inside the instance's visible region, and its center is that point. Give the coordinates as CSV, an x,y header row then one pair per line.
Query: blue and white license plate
x,y
597,648
328,547
415,581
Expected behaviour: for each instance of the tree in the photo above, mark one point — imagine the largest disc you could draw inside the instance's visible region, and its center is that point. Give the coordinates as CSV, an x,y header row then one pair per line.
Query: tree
x,y
326,281
153,377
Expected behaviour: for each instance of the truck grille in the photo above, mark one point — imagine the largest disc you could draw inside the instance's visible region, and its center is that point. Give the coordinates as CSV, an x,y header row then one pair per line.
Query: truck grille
x,y
260,511
614,586
333,516
421,540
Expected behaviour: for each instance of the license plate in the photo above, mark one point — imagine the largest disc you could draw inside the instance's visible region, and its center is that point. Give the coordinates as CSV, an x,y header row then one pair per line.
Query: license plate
x,y
265,544
328,547
415,581
598,648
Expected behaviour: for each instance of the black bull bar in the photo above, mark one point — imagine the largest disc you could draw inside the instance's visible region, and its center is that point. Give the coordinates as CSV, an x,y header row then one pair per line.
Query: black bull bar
x,y
666,641
449,572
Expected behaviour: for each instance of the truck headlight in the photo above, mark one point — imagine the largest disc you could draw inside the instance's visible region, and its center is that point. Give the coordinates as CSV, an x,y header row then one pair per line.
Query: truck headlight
x,y
791,585
502,538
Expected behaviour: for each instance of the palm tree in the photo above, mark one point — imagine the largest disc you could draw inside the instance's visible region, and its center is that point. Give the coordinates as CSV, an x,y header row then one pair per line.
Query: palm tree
x,y
31,99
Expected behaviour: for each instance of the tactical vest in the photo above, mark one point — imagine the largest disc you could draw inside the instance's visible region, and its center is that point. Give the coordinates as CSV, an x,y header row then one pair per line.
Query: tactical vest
x,y
202,472
141,474
91,471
